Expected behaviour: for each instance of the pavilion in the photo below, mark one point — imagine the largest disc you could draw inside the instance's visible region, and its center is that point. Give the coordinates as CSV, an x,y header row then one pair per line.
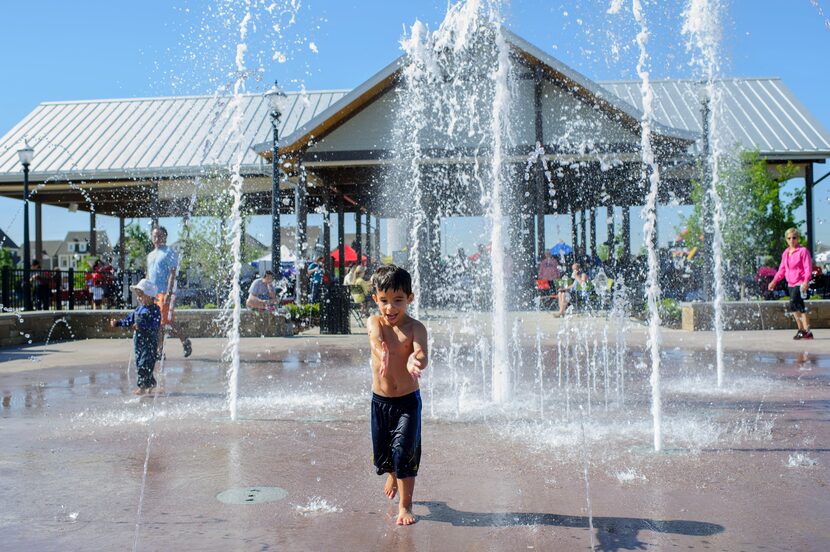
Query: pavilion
x,y
147,157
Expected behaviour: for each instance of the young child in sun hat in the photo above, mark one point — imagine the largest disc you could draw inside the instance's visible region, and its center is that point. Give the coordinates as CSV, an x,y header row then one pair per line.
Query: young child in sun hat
x,y
146,321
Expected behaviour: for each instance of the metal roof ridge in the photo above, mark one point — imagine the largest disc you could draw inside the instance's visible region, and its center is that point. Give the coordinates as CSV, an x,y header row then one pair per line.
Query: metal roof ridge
x,y
686,79
192,97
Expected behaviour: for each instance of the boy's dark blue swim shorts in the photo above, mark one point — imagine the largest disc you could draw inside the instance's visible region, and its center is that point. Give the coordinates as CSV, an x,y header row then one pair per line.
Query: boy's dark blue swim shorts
x,y
396,434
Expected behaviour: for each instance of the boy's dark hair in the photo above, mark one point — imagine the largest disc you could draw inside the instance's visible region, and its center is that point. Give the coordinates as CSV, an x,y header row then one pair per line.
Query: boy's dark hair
x,y
268,273
392,277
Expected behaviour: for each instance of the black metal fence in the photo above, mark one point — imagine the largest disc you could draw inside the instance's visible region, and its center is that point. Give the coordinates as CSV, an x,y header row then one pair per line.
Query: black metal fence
x,y
65,289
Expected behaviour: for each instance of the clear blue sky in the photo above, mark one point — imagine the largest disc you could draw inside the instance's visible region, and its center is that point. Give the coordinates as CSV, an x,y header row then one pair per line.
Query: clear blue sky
x,y
58,50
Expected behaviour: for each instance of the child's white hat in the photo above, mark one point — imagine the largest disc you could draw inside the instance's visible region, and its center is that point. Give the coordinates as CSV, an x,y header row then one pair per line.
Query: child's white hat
x,y
146,286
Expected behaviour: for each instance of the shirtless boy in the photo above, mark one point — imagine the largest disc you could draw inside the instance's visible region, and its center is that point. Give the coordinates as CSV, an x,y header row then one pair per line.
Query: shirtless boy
x,y
399,355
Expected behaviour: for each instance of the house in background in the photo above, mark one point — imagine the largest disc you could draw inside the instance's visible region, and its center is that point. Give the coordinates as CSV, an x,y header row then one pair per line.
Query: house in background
x,y
75,246
49,250
7,243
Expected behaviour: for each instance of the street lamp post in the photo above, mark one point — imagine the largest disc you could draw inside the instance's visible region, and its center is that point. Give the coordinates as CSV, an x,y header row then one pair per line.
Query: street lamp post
x,y
278,101
708,237
26,153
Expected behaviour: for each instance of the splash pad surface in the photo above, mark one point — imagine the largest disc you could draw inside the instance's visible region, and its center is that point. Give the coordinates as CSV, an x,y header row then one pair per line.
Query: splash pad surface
x,y
744,466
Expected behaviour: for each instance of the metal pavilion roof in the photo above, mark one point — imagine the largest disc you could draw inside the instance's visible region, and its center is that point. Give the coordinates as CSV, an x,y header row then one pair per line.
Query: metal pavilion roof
x,y
149,138
755,113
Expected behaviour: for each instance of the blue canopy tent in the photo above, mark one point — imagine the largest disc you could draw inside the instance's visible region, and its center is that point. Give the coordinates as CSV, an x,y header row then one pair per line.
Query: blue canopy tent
x,y
561,248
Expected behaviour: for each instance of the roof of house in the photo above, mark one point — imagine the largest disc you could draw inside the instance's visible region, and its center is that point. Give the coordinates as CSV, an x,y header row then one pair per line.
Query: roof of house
x,y
83,236
6,241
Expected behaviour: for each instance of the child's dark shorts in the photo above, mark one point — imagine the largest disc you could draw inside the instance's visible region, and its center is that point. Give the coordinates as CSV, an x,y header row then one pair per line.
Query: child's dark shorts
x,y
796,301
396,434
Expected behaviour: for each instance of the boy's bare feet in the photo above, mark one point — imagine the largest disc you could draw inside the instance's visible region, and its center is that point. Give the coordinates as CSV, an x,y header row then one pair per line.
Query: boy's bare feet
x,y
139,391
391,487
405,517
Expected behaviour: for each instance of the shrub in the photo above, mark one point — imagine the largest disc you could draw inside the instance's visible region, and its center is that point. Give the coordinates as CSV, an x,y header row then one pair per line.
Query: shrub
x,y
309,311
670,311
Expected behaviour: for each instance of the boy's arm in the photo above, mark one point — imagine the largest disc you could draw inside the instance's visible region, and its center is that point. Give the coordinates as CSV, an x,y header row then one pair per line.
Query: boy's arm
x,y
127,321
419,358
377,344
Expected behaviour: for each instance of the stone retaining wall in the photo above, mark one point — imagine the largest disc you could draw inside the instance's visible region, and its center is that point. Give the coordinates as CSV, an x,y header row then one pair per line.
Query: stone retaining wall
x,y
753,315
35,327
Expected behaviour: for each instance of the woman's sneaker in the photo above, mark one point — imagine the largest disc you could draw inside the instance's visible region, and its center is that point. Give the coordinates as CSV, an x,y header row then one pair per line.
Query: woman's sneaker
x,y
188,347
798,335
807,335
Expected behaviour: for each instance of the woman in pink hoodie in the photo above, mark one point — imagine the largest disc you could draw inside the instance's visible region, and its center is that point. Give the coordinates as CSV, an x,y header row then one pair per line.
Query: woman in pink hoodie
x,y
797,267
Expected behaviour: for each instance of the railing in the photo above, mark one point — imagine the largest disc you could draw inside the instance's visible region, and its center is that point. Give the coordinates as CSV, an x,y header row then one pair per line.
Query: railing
x,y
64,289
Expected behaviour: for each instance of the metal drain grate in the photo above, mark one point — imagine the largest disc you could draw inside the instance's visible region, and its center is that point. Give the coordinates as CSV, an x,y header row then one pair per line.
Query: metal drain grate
x,y
252,495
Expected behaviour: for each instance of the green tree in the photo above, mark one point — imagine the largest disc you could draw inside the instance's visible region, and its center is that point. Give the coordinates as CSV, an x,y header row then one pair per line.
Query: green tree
x,y
206,239
137,244
755,212
6,258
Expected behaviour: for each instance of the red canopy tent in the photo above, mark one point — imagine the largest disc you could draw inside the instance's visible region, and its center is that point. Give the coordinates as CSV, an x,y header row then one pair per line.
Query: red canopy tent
x,y
350,254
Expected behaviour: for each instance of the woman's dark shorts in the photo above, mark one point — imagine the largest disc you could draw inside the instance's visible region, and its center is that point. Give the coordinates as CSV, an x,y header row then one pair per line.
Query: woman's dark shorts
x,y
796,301
396,434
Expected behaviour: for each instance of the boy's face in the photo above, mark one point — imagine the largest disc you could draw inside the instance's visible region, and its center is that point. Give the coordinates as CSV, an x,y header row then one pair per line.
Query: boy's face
x,y
392,304
142,297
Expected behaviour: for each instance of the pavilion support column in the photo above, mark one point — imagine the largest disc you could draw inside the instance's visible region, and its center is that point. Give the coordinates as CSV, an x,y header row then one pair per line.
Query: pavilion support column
x,y
93,237
377,238
331,319
525,241
583,232
301,208
593,223
368,239
574,233
122,237
154,205
429,247
358,234
541,196
609,220
341,237
541,202
327,262
434,252
39,234
626,231
808,205
656,234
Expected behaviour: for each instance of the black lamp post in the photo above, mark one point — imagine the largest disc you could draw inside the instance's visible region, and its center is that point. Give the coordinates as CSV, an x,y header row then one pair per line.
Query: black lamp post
x,y
278,101
708,236
26,153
